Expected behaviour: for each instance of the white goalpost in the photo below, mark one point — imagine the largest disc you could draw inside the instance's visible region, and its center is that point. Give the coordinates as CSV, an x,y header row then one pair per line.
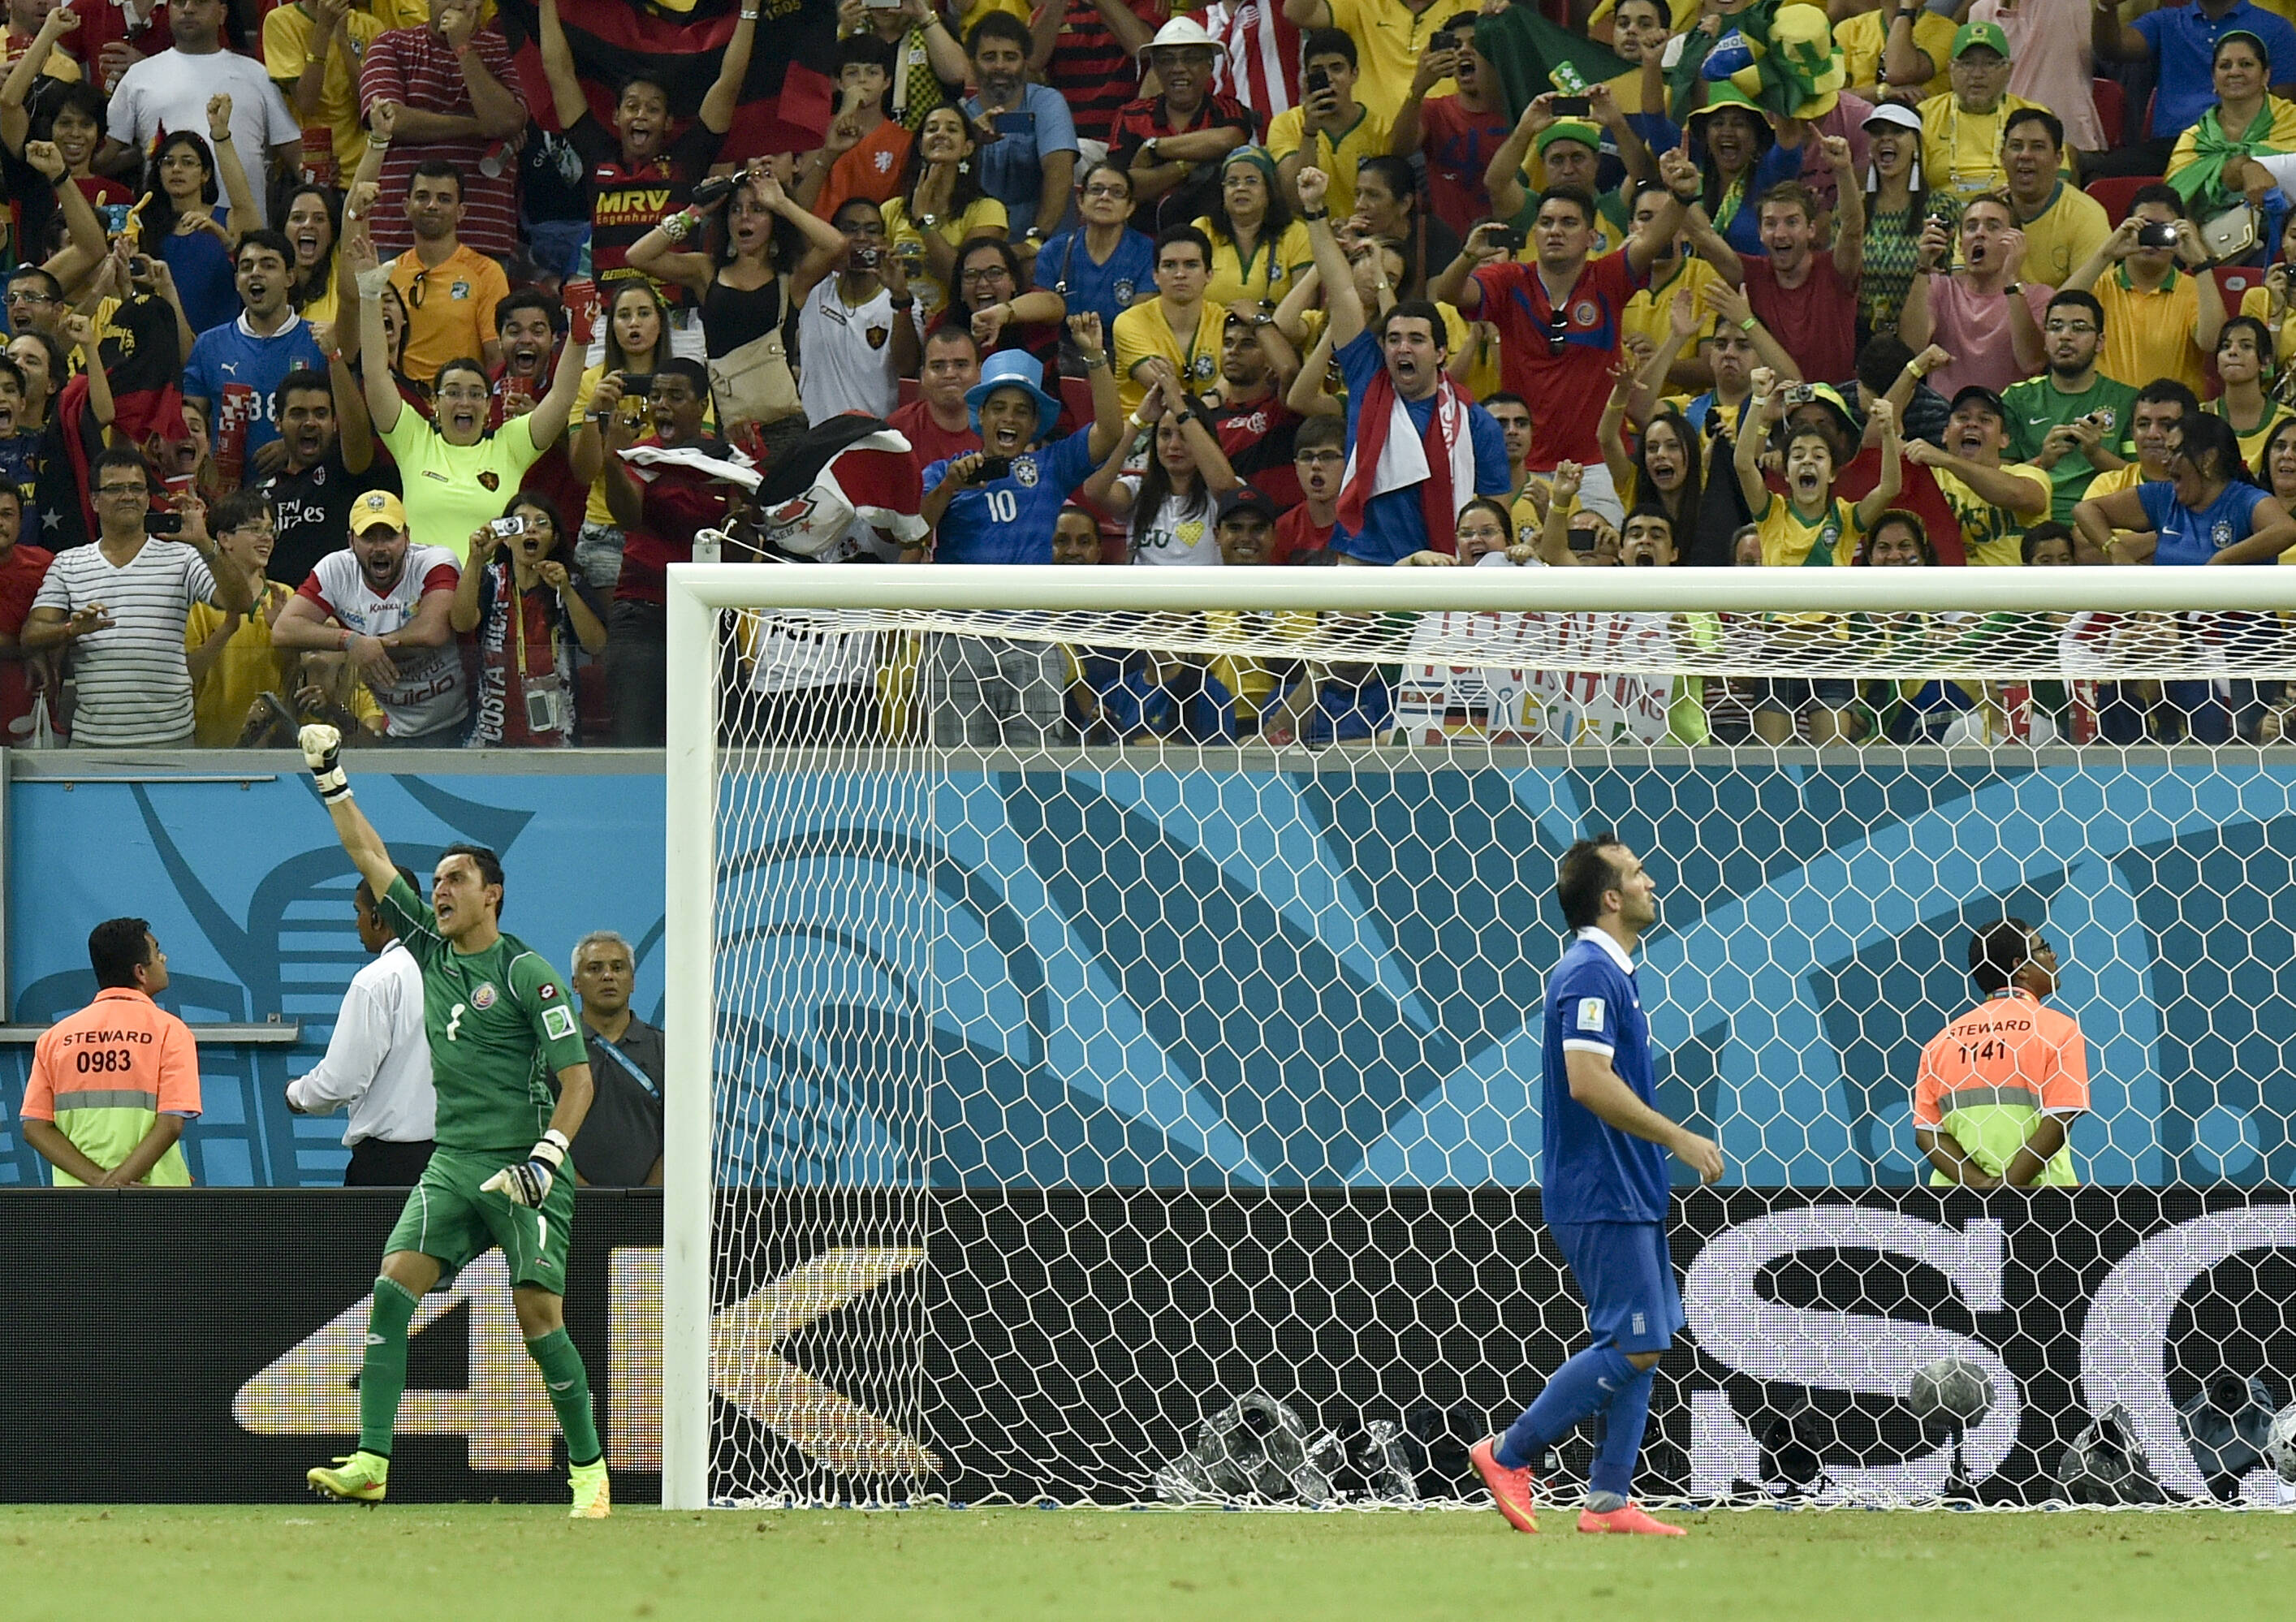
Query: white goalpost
x,y
1139,1103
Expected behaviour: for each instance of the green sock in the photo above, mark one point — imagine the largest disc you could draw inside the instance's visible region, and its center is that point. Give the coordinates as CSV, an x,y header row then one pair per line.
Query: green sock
x,y
384,1375
568,1385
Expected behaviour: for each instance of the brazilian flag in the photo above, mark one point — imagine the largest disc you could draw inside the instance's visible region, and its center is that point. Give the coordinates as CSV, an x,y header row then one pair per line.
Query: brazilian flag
x,y
1780,56
1526,49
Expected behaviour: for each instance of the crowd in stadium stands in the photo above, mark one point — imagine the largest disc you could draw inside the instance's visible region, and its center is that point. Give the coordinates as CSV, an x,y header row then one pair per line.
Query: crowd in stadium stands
x,y
357,367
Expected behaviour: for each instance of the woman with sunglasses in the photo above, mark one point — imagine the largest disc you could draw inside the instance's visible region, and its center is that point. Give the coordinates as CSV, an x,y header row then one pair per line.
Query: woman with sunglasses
x,y
743,288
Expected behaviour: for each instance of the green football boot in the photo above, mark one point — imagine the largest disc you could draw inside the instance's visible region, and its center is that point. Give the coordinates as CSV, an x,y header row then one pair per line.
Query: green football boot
x,y
359,1478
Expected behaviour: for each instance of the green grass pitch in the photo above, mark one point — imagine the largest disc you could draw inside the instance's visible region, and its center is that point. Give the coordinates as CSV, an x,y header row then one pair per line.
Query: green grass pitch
x,y
434,1562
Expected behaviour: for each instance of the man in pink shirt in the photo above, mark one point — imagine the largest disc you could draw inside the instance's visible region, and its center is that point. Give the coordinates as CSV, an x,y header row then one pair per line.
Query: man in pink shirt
x,y
1981,314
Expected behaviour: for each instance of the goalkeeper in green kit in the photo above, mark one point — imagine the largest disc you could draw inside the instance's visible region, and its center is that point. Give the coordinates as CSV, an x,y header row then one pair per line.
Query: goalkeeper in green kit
x,y
500,1022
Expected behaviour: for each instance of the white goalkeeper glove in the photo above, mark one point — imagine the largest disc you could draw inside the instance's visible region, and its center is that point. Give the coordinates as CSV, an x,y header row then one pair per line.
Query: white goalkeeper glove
x,y
322,748
528,1182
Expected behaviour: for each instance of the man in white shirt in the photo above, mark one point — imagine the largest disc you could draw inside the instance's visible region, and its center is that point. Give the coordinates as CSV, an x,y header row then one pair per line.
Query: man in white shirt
x,y
377,1062
119,608
389,602
171,92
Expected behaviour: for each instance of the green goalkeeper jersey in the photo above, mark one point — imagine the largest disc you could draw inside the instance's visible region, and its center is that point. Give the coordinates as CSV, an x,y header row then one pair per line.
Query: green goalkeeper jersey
x,y
501,1025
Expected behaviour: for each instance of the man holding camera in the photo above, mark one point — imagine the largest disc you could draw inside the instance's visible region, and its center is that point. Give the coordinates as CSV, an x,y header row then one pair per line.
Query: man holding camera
x,y
2162,310
121,607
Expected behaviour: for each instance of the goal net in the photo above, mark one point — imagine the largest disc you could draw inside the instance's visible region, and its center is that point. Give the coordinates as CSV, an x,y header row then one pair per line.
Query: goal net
x,y
1105,1012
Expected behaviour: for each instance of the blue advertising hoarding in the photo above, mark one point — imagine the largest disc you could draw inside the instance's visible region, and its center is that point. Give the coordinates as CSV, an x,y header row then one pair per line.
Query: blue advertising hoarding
x,y
1130,974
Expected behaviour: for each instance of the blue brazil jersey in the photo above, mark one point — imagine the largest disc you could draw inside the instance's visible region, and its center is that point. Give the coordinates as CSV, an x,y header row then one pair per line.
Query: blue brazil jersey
x,y
1011,520
1593,1172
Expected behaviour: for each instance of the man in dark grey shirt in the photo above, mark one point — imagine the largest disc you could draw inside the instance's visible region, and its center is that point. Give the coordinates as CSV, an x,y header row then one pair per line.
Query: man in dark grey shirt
x,y
620,1145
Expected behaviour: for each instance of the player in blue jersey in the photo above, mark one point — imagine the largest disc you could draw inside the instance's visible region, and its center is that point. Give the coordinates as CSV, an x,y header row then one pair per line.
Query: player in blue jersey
x,y
1605,1195
1001,504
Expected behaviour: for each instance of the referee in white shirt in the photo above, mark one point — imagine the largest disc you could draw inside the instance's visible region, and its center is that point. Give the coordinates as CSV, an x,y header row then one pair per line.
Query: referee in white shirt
x,y
377,1062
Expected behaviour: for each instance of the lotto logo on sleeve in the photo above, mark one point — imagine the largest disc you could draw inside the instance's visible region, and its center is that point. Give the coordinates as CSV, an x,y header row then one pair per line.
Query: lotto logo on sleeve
x,y
1590,1013
558,1023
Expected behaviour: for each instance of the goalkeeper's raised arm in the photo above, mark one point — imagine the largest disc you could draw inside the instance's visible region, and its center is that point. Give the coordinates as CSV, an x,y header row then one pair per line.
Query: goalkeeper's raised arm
x,y
323,753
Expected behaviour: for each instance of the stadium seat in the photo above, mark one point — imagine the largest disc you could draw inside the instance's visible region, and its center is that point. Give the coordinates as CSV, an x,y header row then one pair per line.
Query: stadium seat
x,y
2112,109
1076,399
909,391
2112,192
593,703
2233,280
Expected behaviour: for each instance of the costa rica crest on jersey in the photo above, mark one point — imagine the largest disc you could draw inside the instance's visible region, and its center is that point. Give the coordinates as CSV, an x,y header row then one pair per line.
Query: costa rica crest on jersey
x,y
484,996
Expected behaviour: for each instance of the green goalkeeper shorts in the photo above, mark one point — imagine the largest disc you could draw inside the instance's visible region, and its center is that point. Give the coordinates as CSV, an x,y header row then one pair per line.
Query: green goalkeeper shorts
x,y
450,1218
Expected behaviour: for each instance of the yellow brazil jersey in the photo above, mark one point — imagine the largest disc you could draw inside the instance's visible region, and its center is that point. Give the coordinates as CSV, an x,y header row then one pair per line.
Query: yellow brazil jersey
x,y
1143,331
2256,301
2149,335
2060,239
984,214
975,9
2252,443
1960,151
1651,311
1863,36
245,666
1528,524
335,137
1790,540
1994,535
1266,276
1390,39
1287,134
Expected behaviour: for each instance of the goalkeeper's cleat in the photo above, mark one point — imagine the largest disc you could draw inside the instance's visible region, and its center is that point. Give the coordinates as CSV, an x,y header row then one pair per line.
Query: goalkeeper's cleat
x,y
592,1499
1627,1517
1512,1490
358,1478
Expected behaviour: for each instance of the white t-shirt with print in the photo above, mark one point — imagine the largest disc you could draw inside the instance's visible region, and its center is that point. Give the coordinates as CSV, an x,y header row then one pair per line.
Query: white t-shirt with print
x,y
1181,531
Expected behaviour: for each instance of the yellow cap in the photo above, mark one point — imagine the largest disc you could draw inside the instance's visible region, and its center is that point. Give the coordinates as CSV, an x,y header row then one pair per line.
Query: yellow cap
x,y
377,510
